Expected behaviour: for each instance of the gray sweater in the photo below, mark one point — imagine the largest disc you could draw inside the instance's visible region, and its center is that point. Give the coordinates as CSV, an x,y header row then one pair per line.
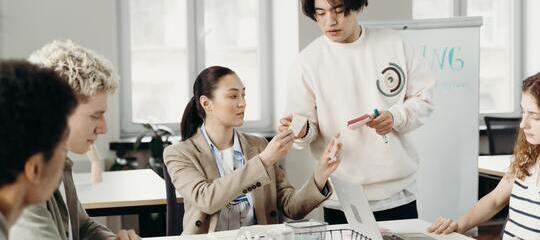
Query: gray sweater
x,y
49,220
3,227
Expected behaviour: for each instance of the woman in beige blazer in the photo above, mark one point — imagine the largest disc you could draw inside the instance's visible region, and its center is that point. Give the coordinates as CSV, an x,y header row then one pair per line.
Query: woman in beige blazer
x,y
230,179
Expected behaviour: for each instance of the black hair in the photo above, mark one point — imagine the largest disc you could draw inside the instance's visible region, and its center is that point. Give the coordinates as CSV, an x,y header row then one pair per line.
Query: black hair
x,y
308,6
35,103
204,85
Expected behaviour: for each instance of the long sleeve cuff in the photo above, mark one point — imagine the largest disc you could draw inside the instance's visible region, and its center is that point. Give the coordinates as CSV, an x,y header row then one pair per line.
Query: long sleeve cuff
x,y
311,134
398,115
326,191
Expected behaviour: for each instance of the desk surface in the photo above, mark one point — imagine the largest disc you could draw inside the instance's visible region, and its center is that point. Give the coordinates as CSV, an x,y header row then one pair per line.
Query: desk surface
x,y
127,188
495,165
401,226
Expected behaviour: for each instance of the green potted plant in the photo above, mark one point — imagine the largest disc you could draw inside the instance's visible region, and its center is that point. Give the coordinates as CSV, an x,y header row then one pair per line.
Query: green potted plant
x,y
159,139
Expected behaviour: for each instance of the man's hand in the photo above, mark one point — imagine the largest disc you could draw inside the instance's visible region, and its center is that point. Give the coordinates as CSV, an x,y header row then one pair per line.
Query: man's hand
x,y
382,124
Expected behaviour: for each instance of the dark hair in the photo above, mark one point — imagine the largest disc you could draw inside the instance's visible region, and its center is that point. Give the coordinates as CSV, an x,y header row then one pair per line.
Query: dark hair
x,y
204,85
35,104
308,6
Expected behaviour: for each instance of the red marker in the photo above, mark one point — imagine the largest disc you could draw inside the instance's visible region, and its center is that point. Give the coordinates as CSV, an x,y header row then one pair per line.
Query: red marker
x,y
355,122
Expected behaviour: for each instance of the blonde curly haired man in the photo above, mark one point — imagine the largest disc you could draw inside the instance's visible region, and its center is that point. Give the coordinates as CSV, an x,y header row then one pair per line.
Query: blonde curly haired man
x,y
93,79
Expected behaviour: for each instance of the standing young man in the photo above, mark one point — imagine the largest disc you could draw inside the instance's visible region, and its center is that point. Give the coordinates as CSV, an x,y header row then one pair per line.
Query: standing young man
x,y
92,79
352,70
34,132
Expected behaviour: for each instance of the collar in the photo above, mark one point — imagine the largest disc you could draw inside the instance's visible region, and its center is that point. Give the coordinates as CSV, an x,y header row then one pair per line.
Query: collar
x,y
237,148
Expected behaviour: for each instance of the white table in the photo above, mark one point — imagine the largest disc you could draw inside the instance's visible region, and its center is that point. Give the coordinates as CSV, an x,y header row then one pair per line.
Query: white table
x,y
400,226
128,188
494,165
140,192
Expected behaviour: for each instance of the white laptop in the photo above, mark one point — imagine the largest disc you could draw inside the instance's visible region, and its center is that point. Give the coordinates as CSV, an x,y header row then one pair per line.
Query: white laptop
x,y
359,216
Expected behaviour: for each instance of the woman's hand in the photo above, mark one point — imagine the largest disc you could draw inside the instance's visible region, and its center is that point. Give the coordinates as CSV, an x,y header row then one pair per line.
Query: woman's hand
x,y
127,235
443,226
329,162
277,149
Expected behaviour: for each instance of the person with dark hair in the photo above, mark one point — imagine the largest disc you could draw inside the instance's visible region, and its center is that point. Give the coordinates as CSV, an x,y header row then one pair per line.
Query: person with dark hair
x,y
34,132
519,186
353,70
230,179
92,79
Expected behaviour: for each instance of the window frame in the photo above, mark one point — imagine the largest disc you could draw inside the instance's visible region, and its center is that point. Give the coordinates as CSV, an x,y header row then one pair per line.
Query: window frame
x,y
516,42
196,53
459,9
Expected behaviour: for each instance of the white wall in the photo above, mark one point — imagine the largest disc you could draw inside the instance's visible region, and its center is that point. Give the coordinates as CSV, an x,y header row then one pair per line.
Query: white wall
x,y
376,10
27,25
532,38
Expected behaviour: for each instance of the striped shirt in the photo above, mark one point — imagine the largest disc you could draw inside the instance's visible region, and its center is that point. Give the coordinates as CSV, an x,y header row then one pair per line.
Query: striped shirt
x,y
524,215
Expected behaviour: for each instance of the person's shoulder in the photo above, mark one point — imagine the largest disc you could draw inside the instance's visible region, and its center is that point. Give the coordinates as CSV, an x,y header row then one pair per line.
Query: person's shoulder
x,y
381,32
313,48
383,35
184,147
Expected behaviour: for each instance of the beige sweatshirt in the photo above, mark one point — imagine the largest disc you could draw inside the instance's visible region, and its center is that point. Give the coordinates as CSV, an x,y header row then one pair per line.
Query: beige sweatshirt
x,y
332,83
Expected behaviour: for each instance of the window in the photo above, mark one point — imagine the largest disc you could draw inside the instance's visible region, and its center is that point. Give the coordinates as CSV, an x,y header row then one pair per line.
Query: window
x,y
166,43
432,9
499,77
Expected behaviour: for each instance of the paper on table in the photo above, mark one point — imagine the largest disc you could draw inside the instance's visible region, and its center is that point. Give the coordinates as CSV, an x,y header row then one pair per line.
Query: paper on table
x,y
95,163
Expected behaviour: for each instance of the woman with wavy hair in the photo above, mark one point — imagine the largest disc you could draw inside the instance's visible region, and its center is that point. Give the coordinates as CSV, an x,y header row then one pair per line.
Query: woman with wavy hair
x,y
519,187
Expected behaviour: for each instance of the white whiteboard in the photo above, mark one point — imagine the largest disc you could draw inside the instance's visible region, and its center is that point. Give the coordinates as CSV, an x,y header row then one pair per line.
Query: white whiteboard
x,y
448,142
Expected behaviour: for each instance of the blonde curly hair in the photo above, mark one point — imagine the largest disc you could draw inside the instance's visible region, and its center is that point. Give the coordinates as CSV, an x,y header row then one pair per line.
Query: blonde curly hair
x,y
87,72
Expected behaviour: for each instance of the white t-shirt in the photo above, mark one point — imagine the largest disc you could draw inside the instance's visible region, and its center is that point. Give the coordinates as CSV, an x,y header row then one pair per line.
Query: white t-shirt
x,y
332,83
234,216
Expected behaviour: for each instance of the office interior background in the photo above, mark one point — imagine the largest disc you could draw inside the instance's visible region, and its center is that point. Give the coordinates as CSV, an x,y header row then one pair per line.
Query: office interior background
x,y
159,46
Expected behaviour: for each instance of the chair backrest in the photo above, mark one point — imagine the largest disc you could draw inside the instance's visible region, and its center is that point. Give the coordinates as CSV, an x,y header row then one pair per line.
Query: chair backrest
x,y
502,134
175,210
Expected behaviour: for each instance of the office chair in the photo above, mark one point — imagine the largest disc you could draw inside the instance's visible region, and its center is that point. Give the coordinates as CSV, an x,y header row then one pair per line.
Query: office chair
x,y
175,210
502,134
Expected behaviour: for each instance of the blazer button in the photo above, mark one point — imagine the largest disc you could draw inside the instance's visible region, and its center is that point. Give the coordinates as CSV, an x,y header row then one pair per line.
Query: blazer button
x,y
245,191
253,187
198,223
258,184
273,214
249,189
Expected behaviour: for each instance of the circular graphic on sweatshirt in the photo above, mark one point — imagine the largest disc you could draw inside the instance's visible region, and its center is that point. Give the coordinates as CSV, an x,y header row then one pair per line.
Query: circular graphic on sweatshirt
x,y
392,80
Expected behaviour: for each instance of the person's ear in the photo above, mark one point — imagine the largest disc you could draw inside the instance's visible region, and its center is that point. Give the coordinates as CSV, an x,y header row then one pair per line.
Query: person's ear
x,y
34,167
206,103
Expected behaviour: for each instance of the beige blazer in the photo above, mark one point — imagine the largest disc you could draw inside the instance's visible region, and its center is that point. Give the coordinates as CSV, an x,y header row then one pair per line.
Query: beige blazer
x,y
49,220
195,175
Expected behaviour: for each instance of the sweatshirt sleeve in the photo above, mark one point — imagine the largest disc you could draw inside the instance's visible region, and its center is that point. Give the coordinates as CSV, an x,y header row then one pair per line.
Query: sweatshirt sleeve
x,y
301,100
418,103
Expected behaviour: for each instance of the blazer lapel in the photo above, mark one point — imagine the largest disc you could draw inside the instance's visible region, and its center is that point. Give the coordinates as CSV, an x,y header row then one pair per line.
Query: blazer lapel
x,y
259,195
205,156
